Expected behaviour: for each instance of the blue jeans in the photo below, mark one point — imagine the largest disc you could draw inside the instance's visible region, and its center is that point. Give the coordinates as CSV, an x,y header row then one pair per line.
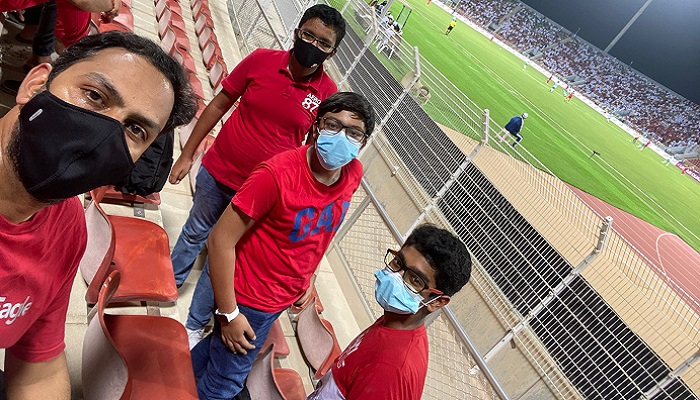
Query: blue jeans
x,y
202,305
210,201
220,373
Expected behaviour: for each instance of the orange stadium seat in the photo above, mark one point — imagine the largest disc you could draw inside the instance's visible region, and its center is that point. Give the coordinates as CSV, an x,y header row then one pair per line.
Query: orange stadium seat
x,y
276,338
138,248
135,356
270,383
317,340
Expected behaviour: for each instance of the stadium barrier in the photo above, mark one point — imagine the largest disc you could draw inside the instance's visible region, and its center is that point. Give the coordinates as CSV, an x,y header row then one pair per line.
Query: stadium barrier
x,y
585,314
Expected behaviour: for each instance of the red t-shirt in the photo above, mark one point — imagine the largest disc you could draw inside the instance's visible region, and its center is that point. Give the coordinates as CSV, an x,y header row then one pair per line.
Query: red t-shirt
x,y
380,364
296,217
274,114
38,262
72,23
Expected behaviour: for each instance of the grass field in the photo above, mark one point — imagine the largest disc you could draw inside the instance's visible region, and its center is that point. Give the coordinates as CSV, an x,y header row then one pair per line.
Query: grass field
x,y
562,135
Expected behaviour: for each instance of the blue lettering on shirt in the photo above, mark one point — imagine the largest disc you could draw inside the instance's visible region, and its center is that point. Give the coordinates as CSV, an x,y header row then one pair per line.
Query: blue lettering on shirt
x,y
306,223
302,224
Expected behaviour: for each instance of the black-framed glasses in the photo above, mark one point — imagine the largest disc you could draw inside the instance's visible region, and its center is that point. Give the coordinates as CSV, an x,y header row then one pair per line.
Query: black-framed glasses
x,y
321,44
411,279
355,134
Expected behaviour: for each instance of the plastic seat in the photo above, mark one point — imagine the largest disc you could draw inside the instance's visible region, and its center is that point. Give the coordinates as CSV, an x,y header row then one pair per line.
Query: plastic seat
x,y
270,383
138,248
202,22
112,195
200,8
172,40
217,73
135,356
166,21
211,53
205,37
314,297
317,340
276,338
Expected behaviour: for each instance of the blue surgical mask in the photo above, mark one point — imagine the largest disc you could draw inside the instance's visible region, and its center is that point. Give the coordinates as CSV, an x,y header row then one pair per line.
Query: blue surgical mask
x,y
391,293
334,149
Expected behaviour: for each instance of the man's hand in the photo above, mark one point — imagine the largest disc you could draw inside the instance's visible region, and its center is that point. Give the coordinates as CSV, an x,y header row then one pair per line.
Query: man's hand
x,y
180,169
108,16
235,335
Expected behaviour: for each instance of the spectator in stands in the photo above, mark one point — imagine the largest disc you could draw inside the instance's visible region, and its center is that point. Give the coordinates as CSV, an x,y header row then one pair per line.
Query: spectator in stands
x,y
73,16
389,360
66,20
279,94
77,125
268,243
514,126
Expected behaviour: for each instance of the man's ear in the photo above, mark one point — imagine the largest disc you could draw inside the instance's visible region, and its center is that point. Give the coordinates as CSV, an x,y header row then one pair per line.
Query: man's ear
x,y
435,305
332,53
34,81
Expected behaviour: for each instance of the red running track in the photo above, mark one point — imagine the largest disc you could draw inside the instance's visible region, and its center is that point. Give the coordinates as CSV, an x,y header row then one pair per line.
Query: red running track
x,y
675,260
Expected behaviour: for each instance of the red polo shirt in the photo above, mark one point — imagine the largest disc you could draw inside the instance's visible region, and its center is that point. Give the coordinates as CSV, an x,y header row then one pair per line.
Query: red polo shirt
x,y
273,115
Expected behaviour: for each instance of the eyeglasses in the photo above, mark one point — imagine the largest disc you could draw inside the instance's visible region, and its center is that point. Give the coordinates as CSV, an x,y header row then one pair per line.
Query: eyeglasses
x,y
356,135
321,44
413,282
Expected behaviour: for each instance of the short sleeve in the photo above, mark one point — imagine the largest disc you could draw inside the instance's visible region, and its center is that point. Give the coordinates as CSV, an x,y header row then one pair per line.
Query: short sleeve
x,y
45,339
258,194
237,81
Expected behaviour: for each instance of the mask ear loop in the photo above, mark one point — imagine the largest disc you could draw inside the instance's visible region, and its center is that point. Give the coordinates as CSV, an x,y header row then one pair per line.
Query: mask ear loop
x,y
424,304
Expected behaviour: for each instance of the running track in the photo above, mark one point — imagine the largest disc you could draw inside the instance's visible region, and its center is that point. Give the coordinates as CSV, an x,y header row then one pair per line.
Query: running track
x,y
672,256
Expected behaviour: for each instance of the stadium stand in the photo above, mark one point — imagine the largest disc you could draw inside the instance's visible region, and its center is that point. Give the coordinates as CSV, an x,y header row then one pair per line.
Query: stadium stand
x,y
657,112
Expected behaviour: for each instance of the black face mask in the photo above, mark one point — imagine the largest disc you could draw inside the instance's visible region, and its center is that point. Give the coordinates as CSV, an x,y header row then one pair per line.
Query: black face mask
x,y
307,54
64,150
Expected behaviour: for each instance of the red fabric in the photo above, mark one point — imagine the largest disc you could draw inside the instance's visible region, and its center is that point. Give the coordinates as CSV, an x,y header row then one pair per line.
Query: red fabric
x,y
274,114
38,262
13,5
383,363
72,23
296,218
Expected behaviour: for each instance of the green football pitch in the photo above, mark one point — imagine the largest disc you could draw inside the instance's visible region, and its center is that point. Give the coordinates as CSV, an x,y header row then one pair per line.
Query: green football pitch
x,y
561,135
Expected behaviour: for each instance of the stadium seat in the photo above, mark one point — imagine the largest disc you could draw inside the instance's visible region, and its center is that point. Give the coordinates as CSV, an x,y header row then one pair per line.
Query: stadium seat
x,y
217,73
270,383
317,340
202,22
138,248
210,54
113,196
172,41
134,356
276,338
314,297
168,20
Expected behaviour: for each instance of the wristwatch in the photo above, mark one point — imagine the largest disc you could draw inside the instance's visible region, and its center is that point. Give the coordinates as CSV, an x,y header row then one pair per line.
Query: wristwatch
x,y
230,316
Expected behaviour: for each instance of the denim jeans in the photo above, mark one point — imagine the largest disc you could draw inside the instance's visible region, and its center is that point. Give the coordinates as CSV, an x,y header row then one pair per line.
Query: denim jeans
x,y
220,373
210,201
202,305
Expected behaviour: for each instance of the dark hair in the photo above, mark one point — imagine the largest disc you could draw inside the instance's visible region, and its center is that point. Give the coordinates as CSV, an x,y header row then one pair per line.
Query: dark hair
x,y
329,16
184,105
349,101
445,253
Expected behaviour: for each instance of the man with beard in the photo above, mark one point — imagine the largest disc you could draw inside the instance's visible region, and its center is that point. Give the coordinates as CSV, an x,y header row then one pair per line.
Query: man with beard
x,y
78,124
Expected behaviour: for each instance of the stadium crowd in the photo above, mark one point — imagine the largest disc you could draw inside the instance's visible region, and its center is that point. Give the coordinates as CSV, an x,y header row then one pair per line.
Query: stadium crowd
x,y
660,114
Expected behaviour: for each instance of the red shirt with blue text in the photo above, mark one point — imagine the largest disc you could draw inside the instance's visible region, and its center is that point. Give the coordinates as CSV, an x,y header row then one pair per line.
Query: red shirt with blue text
x,y
296,217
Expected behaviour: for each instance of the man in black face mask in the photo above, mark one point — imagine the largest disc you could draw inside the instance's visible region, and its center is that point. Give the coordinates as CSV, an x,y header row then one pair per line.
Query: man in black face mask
x,y
279,93
77,125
